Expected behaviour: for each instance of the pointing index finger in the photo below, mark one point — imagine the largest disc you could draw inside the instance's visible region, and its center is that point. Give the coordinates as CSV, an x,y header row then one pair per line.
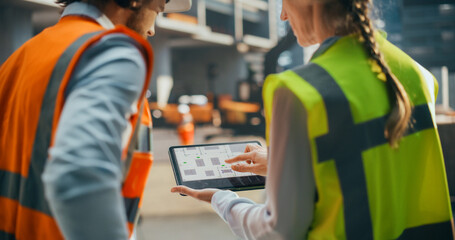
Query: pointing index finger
x,y
241,157
243,167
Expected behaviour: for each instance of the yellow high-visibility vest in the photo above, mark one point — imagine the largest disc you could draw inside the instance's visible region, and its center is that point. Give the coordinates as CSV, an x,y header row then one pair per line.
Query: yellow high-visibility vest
x,y
365,188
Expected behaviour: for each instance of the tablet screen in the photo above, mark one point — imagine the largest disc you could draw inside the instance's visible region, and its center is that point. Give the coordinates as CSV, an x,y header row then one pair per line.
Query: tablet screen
x,y
208,162
204,166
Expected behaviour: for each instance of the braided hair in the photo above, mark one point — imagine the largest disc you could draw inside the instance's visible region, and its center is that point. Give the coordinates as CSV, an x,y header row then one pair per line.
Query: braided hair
x,y
358,20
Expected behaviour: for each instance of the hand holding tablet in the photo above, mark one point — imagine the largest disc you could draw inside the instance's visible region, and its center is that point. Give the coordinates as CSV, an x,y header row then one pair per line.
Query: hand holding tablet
x,y
205,194
204,166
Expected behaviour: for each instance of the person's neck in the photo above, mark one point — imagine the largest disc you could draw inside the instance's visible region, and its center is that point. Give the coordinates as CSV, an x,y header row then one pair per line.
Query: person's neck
x,y
322,36
322,30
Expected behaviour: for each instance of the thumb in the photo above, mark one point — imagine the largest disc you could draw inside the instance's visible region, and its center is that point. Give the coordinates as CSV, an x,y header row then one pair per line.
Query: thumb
x,y
251,147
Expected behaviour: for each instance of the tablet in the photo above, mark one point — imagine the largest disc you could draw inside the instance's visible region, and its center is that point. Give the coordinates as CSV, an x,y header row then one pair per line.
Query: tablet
x,y
203,166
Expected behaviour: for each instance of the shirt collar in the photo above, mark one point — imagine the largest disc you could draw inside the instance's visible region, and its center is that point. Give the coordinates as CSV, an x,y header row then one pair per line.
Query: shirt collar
x,y
87,10
324,46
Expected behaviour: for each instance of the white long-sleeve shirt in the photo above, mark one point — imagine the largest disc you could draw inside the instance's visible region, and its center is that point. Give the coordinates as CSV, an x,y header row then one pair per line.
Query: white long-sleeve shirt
x,y
290,187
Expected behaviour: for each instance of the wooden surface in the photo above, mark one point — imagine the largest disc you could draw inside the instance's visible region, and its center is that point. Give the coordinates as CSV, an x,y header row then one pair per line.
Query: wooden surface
x,y
201,114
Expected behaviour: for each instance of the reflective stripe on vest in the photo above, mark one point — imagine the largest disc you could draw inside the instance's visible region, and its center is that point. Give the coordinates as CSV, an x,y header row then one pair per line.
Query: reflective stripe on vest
x,y
144,142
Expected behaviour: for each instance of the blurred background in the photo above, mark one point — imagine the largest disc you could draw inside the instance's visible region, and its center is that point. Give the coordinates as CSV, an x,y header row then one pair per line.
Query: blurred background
x,y
214,59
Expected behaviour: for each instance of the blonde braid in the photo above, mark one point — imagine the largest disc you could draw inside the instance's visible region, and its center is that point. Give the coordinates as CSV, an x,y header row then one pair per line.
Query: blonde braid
x,y
398,121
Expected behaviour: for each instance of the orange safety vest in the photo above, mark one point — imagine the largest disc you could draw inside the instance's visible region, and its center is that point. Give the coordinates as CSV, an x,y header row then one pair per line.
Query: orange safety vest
x,y
32,86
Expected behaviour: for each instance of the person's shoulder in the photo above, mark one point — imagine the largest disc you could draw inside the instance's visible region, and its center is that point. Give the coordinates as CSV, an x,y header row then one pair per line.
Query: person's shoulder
x,y
119,41
117,47
283,85
285,94
114,57
125,36
282,76
290,78
304,68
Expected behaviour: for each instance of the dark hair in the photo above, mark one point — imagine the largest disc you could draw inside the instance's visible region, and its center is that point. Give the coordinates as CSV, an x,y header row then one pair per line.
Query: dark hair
x,y
349,16
65,3
98,3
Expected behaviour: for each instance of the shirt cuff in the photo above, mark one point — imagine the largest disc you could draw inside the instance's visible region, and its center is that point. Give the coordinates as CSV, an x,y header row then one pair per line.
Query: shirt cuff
x,y
223,201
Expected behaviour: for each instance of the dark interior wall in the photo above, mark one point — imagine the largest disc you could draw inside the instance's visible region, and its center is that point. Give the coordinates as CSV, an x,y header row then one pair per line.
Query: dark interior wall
x,y
428,31
447,136
15,29
190,68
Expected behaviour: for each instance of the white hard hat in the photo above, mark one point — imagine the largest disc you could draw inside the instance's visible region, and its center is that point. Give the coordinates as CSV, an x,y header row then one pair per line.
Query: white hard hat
x,y
177,6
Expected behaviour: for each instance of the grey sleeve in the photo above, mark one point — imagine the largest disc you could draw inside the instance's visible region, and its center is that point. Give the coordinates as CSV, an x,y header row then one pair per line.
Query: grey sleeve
x,y
83,175
289,143
290,187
